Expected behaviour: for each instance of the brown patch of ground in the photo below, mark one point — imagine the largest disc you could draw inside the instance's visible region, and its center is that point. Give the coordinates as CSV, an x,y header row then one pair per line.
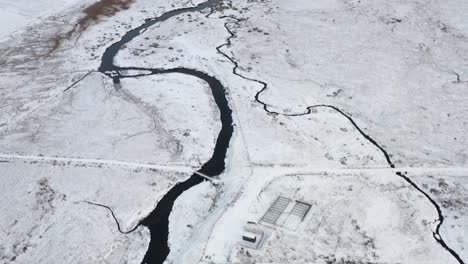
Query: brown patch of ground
x,y
103,8
106,8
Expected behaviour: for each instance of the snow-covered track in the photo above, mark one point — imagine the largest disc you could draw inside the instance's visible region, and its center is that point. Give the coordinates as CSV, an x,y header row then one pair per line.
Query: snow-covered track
x,y
175,168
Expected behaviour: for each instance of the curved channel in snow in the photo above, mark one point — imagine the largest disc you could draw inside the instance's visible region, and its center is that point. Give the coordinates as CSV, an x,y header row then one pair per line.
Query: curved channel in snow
x,y
158,220
436,232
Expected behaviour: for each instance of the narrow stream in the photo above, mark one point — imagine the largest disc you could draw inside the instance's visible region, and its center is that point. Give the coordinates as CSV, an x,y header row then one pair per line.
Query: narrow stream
x,y
436,233
158,220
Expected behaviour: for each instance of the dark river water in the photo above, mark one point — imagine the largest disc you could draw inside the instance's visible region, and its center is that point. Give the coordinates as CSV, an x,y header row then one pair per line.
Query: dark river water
x,y
158,220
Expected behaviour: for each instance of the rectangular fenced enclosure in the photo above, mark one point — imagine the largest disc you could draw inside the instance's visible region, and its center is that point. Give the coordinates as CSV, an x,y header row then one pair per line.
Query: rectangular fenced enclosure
x,y
295,215
275,210
300,209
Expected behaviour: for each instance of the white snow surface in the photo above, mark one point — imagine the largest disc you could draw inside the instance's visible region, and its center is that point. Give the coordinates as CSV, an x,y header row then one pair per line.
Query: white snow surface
x,y
14,15
397,68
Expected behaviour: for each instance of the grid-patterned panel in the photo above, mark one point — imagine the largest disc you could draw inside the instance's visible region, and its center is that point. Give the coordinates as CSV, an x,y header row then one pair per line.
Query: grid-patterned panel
x,y
300,209
275,210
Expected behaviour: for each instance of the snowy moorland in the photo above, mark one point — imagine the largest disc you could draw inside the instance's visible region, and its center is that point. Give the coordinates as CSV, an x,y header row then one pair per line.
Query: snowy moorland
x,y
142,131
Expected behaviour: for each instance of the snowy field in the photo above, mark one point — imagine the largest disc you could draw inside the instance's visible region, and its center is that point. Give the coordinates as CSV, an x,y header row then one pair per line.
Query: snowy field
x,y
14,15
358,108
362,217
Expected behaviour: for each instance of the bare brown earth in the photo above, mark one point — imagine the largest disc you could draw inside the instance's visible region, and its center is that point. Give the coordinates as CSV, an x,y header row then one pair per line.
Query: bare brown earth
x,y
94,12
105,8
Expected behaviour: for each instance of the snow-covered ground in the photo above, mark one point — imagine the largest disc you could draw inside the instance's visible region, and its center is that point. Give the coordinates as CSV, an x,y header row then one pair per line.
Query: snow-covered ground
x,y
362,217
14,15
69,136
45,216
94,120
399,68
372,77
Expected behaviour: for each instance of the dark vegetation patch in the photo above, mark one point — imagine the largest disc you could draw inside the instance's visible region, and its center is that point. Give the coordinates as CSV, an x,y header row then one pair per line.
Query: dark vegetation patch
x,y
94,12
45,196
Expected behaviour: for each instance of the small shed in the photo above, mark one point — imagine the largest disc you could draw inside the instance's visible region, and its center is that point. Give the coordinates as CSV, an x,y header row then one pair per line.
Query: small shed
x,y
249,237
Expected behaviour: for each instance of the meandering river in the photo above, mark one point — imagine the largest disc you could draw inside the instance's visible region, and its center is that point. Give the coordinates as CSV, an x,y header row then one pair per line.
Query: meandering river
x,y
158,220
